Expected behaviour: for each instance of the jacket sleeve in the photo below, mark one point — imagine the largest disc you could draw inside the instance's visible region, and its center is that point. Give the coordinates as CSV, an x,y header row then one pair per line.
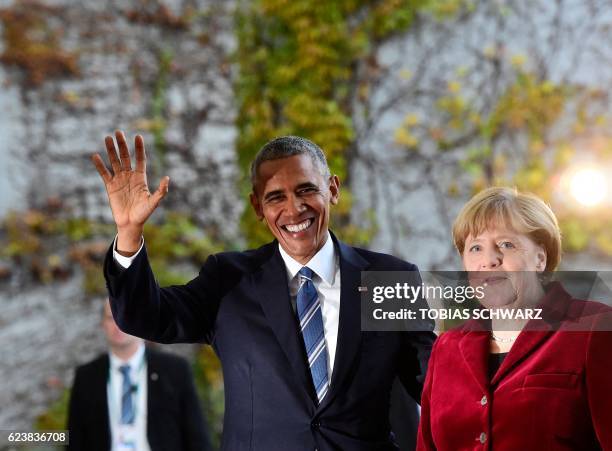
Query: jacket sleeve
x,y
76,439
425,440
598,371
176,314
416,347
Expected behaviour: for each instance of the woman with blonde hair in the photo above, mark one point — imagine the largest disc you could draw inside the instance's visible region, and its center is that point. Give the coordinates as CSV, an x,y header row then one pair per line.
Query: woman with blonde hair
x,y
532,386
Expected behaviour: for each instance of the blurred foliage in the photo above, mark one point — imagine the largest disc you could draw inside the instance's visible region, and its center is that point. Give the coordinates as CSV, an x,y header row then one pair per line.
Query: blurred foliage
x,y
56,416
160,16
32,44
209,382
298,65
158,107
533,109
48,243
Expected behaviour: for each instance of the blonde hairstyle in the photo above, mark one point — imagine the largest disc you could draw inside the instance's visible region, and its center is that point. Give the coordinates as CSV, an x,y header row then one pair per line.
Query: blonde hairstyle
x,y
521,212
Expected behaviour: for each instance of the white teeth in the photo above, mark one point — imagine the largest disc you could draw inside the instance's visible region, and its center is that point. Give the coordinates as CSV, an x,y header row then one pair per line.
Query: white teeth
x,y
298,227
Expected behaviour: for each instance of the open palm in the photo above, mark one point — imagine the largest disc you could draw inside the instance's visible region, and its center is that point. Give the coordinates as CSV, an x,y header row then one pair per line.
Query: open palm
x,y
130,199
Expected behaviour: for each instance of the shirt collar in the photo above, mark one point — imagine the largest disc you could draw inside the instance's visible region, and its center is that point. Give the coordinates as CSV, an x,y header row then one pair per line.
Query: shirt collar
x,y
323,263
134,361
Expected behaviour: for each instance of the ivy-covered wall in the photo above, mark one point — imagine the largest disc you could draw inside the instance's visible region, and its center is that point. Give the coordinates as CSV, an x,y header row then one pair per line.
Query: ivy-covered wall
x,y
417,103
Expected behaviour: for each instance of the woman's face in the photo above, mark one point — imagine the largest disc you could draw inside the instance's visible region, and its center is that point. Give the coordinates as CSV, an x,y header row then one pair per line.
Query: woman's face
x,y
505,263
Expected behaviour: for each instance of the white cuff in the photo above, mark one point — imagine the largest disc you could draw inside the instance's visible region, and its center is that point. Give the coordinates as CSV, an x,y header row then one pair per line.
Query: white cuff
x,y
124,261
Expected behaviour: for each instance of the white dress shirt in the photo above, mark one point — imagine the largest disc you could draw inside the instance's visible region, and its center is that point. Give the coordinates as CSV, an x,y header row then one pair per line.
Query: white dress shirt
x,y
327,283
138,377
325,265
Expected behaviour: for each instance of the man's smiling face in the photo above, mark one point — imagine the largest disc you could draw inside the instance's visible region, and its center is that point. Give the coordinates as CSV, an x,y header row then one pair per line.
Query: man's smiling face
x,y
294,198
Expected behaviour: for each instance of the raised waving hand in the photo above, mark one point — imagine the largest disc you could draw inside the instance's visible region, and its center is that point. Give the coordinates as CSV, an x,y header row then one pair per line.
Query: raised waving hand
x,y
128,193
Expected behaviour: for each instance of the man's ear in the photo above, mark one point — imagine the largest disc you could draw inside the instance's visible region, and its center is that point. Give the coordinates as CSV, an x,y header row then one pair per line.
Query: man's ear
x,y
256,206
334,189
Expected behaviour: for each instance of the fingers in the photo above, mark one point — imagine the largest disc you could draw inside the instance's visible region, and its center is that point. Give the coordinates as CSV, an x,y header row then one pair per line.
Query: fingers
x,y
124,152
161,191
112,154
141,156
101,167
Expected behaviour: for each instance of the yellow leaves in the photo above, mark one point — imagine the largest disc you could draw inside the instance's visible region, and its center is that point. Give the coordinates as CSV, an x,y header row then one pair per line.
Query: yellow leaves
x,y
363,91
411,120
286,73
518,60
547,87
575,236
34,219
536,146
454,87
499,164
70,97
490,51
475,118
405,74
461,71
563,155
478,185
304,84
447,9
532,177
529,104
454,105
404,135
405,138
604,241
148,125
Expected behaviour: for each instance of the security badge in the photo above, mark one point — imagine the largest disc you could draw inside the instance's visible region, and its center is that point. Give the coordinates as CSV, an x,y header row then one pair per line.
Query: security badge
x,y
126,437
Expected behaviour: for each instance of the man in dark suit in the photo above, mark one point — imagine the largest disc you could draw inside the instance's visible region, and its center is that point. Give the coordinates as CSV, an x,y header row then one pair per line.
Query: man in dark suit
x,y
134,399
284,319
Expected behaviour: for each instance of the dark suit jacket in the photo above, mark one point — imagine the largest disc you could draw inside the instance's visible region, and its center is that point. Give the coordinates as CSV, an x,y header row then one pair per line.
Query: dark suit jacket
x,y
553,390
174,417
240,304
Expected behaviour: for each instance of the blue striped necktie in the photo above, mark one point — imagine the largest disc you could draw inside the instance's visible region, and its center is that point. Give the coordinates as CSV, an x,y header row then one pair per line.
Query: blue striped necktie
x,y
127,404
311,327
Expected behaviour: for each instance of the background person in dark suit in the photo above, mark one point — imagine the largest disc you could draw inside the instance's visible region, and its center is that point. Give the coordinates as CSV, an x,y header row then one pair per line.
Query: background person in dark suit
x,y
155,409
284,319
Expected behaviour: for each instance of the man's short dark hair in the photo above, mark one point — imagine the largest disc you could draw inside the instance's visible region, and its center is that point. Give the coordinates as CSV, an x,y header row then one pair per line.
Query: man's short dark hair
x,y
288,146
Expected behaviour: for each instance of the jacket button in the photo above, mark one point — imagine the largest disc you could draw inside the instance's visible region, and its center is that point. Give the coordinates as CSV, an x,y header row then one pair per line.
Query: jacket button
x,y
315,424
483,437
483,401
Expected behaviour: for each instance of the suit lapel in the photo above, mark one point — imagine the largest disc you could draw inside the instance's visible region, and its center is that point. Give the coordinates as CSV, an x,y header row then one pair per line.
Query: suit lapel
x,y
474,348
525,344
101,398
555,305
154,390
270,285
349,327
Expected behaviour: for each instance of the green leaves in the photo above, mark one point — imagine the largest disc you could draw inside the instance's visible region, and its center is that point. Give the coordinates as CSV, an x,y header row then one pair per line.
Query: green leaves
x,y
297,75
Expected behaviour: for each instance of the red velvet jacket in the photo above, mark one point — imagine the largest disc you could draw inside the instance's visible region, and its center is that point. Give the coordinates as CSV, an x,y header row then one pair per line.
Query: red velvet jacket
x,y
553,390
